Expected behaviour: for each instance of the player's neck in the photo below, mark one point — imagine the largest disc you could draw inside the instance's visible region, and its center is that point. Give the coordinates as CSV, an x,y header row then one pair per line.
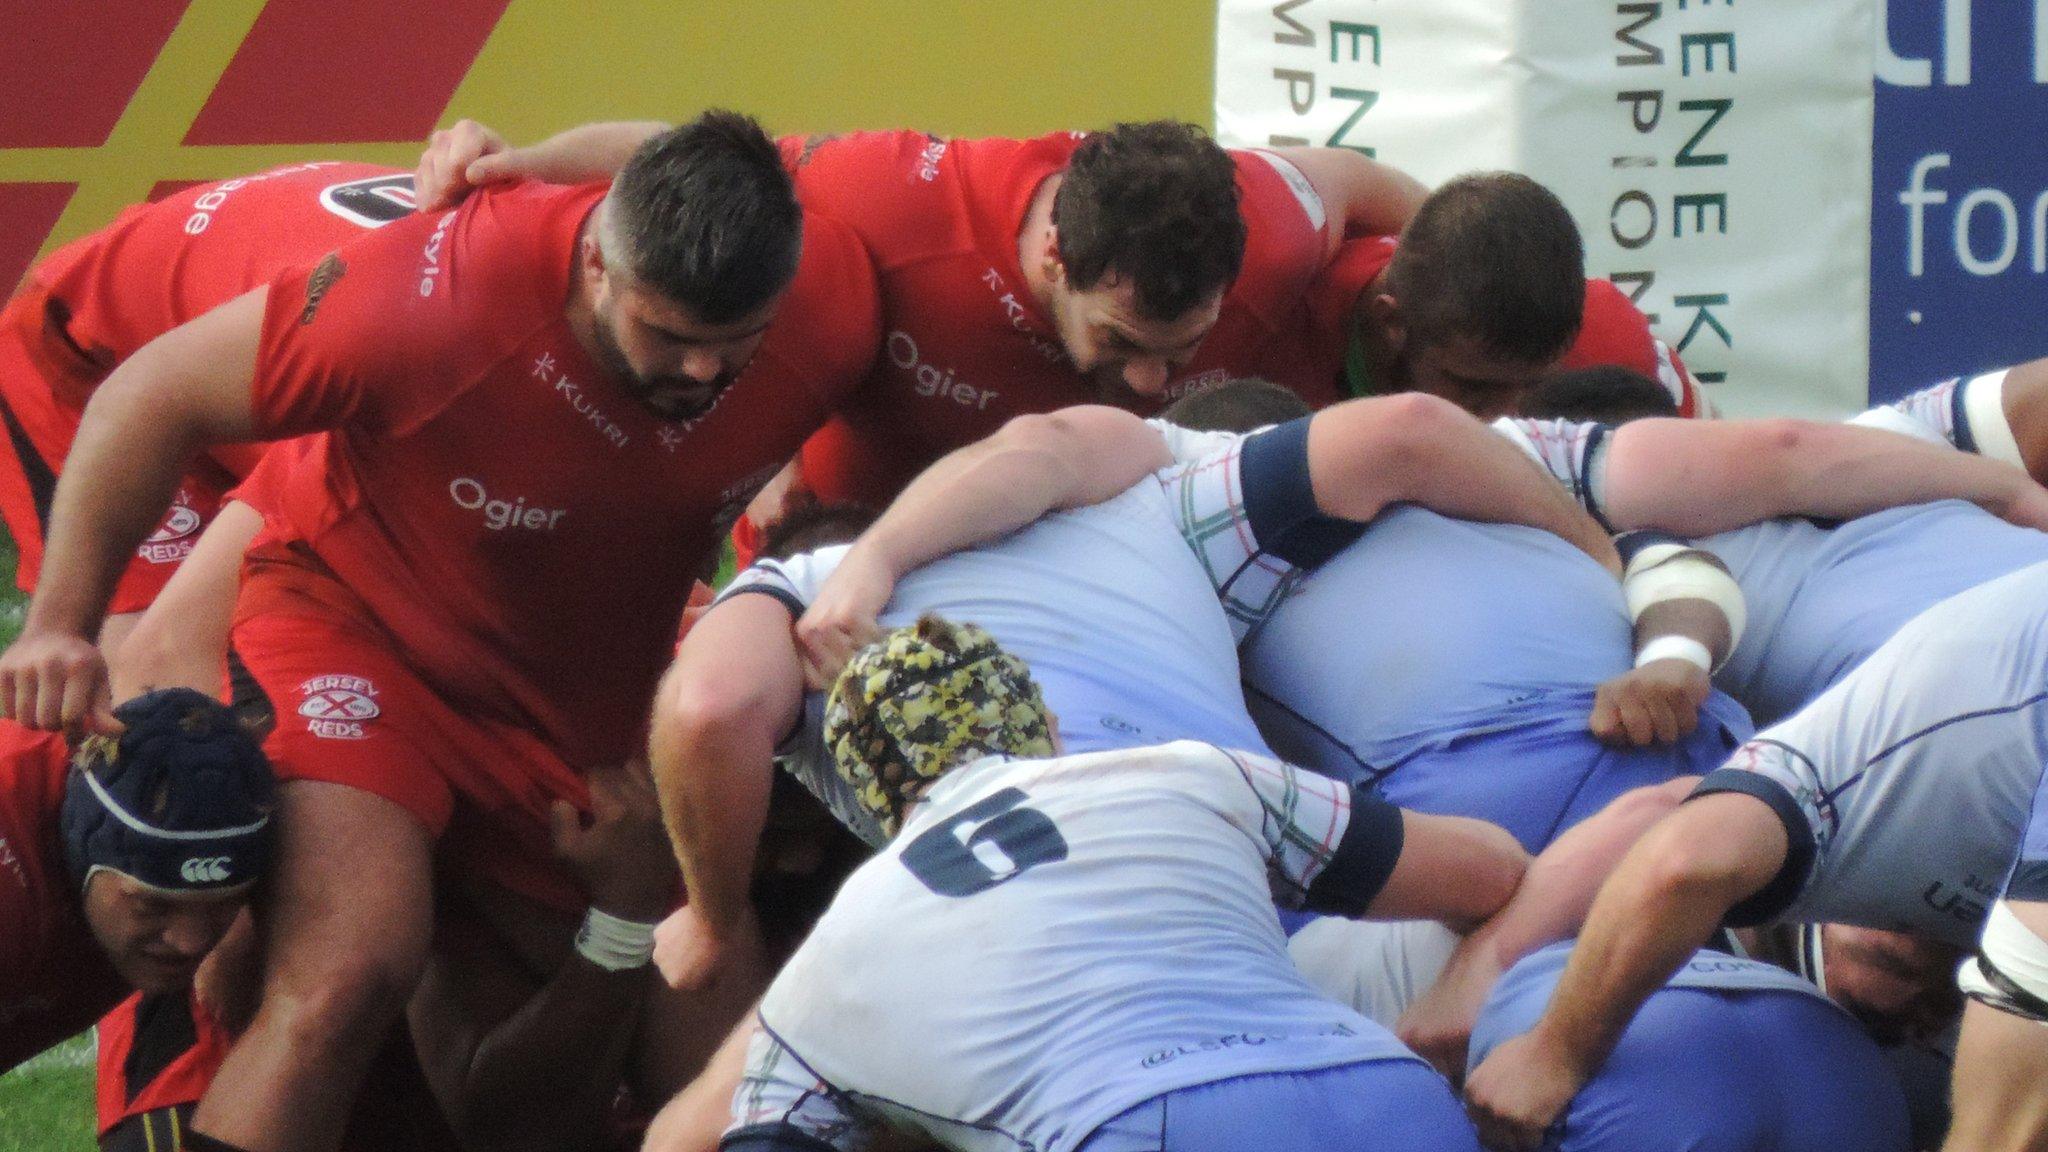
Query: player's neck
x,y
1033,237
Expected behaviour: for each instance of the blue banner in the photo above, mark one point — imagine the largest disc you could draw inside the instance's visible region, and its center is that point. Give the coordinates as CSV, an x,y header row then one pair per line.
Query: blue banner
x,y
1959,220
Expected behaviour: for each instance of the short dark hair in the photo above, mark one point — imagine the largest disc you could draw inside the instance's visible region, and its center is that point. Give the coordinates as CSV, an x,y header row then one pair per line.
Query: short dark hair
x,y
1493,257
1604,393
810,525
1157,203
1238,405
705,215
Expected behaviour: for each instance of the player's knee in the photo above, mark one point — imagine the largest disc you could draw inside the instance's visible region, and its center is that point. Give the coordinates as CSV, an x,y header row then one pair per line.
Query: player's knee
x,y
343,1000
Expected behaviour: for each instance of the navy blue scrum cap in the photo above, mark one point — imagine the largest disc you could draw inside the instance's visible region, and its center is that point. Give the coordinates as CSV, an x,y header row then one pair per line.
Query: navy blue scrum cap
x,y
180,801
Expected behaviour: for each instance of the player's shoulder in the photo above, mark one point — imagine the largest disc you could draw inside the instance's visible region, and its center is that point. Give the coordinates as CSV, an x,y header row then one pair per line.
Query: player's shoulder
x,y
33,767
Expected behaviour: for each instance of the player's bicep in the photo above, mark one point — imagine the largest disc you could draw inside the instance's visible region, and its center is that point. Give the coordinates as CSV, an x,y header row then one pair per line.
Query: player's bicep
x,y
1452,869
196,377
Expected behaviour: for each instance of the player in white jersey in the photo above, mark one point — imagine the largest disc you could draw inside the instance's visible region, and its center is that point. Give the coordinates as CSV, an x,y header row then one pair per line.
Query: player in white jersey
x,y
1906,797
1121,618
1820,597
2001,414
1081,952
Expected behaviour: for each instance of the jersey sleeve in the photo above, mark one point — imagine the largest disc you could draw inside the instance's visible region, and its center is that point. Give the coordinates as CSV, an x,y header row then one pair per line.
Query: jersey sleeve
x,y
794,581
1248,511
1789,783
869,179
1286,223
1574,453
782,1106
1968,413
1328,848
382,333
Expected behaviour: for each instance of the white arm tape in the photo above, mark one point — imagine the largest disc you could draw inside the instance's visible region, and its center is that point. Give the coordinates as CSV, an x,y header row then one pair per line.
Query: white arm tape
x,y
2018,955
1675,647
1984,408
1663,572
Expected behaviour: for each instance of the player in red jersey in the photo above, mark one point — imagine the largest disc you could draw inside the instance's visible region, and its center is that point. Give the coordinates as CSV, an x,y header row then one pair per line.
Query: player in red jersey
x,y
1018,276
544,409
1480,296
95,301
122,866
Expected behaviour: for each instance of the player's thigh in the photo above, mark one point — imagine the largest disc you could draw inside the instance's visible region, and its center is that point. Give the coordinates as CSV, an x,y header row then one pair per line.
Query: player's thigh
x,y
350,896
1999,1100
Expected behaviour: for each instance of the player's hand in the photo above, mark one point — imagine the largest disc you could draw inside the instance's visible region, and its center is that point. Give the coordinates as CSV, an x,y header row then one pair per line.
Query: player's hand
x,y
1438,1025
841,620
57,681
1517,1093
691,951
1658,703
622,855
457,161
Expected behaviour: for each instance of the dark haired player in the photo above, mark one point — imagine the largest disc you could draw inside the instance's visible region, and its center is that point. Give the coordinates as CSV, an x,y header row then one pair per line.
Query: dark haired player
x,y
123,864
543,409
92,303
1483,293
1129,266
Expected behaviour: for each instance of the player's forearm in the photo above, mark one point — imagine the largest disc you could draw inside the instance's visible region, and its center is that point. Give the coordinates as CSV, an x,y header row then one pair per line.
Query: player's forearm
x,y
1694,478
713,783
587,152
1032,466
545,1077
1563,879
1643,926
1412,448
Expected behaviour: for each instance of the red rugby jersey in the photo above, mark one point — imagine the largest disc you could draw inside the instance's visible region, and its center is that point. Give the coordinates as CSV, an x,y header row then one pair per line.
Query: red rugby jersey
x,y
160,265
964,346
54,980
522,529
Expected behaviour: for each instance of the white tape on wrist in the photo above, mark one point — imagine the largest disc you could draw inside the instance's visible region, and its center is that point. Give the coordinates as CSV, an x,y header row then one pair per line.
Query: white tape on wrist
x,y
1663,572
1984,408
613,944
1676,647
2018,956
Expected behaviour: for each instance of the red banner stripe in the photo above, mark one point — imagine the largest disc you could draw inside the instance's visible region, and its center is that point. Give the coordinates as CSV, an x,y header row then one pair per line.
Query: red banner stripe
x,y
69,67
318,72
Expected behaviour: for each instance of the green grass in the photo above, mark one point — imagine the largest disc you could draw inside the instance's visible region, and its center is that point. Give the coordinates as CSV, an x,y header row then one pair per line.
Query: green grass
x,y
46,1104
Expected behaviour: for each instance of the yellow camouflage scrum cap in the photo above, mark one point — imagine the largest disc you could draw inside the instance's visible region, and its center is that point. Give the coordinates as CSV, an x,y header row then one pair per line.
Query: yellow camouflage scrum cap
x,y
925,699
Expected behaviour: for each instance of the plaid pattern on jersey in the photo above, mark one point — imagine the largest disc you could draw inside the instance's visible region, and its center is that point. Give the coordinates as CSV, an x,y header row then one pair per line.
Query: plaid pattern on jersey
x,y
1302,822
1207,497
1569,450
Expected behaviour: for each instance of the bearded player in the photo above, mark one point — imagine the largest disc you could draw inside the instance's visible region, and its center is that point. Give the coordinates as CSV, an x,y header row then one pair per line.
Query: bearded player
x,y
543,409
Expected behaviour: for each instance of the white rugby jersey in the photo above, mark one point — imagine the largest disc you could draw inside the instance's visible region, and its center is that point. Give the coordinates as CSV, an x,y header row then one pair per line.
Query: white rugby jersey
x,y
1967,412
1820,597
1051,942
1908,788
1115,607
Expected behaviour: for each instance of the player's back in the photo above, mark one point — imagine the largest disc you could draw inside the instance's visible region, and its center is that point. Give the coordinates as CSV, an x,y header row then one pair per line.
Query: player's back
x,y
160,265
1049,942
1115,617
1821,599
1427,628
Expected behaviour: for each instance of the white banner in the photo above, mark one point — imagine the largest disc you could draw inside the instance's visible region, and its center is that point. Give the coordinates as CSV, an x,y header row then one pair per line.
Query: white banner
x,y
1717,156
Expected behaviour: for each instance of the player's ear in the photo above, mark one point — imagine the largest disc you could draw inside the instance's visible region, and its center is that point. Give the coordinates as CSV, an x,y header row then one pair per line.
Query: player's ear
x,y
1385,314
1055,268
591,255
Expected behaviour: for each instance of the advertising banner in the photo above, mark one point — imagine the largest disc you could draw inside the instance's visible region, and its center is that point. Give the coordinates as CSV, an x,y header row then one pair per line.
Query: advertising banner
x,y
1716,156
1959,199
